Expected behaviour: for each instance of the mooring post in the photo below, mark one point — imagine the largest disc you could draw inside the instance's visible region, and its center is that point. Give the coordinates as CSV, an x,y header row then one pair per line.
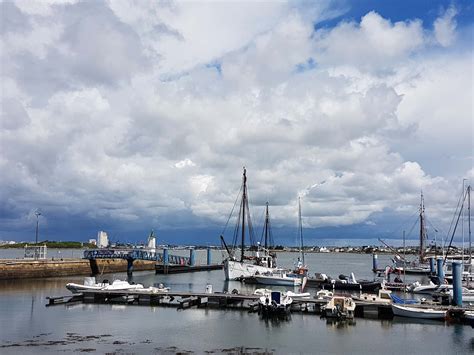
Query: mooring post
x,y
209,260
129,266
457,283
191,257
94,267
374,262
166,260
440,271
432,265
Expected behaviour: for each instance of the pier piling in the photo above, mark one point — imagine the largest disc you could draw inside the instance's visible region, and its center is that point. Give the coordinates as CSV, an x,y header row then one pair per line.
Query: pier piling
x,y
440,271
432,265
129,266
457,283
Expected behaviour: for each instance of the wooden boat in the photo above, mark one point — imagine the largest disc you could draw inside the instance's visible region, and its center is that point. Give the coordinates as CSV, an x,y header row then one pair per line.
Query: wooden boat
x,y
340,307
417,312
274,303
246,266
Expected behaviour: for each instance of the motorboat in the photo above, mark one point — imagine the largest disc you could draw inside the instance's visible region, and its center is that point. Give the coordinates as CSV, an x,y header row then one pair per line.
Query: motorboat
x,y
430,288
274,303
324,295
344,283
418,312
383,296
340,307
278,278
298,296
467,294
90,285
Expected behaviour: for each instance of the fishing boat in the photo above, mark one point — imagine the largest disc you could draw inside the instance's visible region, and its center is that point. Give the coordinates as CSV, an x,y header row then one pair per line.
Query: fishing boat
x,y
340,307
417,312
246,266
274,303
278,278
90,284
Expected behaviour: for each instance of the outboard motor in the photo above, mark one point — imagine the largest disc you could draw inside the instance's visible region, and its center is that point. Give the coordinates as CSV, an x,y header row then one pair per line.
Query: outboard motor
x,y
343,277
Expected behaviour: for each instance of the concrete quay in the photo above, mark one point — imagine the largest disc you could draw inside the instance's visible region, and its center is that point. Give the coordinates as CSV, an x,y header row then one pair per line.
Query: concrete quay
x,y
24,268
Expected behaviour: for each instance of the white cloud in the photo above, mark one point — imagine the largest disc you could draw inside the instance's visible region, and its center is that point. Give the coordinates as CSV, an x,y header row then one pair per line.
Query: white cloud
x,y
355,116
372,44
445,27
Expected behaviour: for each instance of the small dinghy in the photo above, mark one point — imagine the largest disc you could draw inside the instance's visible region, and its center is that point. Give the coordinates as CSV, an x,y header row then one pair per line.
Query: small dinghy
x,y
340,307
274,303
418,312
90,284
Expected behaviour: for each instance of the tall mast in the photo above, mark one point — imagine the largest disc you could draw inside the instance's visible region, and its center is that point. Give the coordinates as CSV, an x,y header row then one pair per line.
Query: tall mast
x,y
244,200
300,229
469,223
267,221
422,229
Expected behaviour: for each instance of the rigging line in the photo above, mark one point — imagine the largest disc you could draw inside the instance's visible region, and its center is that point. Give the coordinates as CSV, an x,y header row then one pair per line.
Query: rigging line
x,y
405,221
413,227
237,228
232,211
455,226
452,220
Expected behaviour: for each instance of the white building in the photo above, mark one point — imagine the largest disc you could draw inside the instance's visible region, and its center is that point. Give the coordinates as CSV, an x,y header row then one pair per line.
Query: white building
x,y
93,241
102,239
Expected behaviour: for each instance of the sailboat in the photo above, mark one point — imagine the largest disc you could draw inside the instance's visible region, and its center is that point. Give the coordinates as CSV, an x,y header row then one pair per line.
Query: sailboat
x,y
420,267
301,268
246,266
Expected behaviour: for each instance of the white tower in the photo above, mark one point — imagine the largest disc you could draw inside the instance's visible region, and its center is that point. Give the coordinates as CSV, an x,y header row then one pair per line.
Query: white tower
x,y
102,239
151,241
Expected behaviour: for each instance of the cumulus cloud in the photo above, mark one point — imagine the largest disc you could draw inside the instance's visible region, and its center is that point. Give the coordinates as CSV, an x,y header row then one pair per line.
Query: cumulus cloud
x,y
445,27
137,115
372,44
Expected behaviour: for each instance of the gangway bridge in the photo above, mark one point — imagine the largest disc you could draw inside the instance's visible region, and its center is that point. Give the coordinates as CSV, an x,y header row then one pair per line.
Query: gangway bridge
x,y
164,259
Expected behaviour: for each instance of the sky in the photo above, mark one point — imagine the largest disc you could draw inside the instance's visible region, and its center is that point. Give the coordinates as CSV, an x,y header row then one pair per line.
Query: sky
x,y
127,116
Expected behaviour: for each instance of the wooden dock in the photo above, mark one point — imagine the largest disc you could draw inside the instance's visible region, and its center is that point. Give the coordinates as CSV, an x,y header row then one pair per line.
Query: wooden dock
x,y
247,302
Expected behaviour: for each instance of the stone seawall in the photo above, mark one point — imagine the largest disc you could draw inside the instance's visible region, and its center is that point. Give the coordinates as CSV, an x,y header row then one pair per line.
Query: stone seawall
x,y
22,269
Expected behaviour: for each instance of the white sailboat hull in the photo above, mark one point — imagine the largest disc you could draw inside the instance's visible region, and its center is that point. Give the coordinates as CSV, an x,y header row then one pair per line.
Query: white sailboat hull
x,y
235,269
420,313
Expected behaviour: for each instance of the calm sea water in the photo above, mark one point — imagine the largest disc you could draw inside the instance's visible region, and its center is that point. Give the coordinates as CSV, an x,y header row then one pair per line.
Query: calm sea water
x,y
27,326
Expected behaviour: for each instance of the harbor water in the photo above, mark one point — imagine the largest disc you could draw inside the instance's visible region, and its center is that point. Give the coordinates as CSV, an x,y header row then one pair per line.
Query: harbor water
x,y
27,326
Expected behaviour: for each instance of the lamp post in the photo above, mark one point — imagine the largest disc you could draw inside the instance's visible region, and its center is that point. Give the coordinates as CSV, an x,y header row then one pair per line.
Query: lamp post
x,y
37,214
